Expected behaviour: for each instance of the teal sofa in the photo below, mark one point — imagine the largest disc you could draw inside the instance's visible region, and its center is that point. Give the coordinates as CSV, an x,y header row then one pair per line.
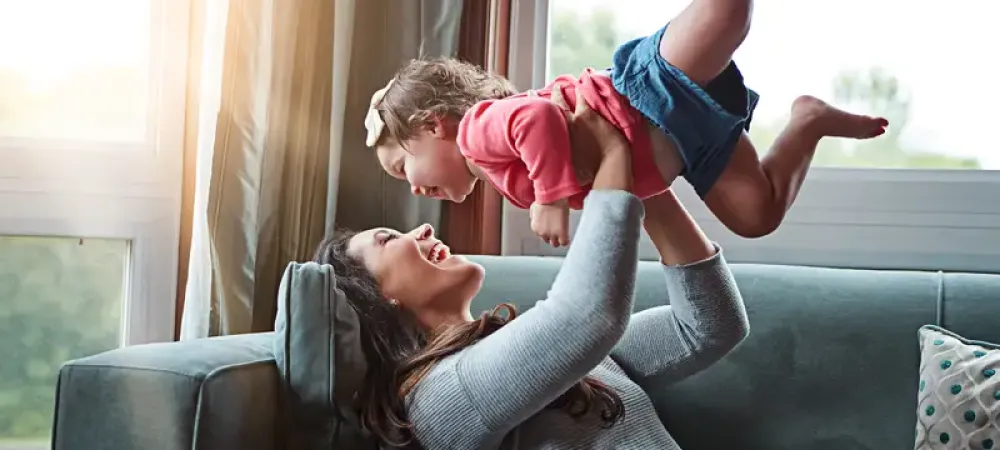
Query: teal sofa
x,y
831,363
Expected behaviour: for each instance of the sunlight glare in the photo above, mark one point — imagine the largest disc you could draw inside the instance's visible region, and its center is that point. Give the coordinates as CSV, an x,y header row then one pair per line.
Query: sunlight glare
x,y
48,40
76,69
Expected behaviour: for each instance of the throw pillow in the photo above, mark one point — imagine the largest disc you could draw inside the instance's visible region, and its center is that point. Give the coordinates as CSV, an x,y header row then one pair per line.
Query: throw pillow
x,y
317,349
959,392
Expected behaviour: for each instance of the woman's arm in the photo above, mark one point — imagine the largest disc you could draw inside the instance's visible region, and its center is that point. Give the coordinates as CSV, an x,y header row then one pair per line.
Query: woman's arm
x,y
706,317
521,368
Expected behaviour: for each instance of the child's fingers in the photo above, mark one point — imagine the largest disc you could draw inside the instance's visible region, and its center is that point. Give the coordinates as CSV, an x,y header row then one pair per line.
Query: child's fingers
x,y
546,236
553,239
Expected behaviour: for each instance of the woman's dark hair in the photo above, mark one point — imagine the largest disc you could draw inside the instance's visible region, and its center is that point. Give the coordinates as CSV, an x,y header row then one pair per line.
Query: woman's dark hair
x,y
400,351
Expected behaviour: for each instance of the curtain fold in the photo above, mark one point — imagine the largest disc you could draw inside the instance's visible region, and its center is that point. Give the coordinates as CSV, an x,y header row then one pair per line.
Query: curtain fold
x,y
281,154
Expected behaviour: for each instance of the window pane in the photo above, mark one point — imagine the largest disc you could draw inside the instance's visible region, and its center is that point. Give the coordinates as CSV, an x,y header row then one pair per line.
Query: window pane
x,y
923,65
72,69
60,299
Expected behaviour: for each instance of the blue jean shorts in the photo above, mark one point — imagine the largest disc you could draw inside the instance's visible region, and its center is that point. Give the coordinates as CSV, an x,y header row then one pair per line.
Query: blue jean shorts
x,y
704,123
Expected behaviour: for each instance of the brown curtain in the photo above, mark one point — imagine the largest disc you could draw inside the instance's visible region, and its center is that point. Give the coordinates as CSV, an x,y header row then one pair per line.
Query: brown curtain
x,y
473,227
279,155
386,34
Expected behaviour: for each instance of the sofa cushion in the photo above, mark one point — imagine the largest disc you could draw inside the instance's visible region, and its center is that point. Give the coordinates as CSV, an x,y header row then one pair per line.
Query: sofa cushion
x,y
969,305
318,352
196,394
958,393
829,363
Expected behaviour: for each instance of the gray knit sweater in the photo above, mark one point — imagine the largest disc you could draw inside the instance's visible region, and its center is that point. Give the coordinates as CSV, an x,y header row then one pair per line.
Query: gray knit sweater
x,y
493,395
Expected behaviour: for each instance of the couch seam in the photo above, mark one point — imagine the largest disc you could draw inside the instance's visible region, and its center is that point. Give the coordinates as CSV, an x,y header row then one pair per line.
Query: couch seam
x,y
940,299
284,371
332,292
74,366
286,345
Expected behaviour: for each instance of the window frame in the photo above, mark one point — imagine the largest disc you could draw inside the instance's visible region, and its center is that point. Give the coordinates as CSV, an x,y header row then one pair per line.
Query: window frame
x,y
92,189
844,217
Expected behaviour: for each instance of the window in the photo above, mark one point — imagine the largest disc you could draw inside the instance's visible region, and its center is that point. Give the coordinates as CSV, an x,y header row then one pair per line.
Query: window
x,y
91,133
920,197
60,299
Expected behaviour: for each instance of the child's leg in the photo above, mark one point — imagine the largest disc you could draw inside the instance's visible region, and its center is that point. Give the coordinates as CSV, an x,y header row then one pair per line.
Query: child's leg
x,y
701,40
751,197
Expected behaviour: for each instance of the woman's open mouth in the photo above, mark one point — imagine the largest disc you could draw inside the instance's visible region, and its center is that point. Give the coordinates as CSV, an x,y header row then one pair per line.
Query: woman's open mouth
x,y
438,253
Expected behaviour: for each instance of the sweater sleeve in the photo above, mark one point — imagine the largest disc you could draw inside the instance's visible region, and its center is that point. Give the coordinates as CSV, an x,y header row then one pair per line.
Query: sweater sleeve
x,y
518,370
706,319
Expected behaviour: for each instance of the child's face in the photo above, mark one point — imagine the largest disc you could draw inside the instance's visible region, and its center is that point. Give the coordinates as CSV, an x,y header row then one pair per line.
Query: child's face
x,y
431,163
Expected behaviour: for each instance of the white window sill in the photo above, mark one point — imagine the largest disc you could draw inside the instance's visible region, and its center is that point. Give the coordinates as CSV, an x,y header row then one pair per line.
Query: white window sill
x,y
863,218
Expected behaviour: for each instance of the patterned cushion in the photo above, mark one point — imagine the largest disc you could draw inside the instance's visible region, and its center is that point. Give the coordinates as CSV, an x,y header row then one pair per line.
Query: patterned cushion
x,y
959,393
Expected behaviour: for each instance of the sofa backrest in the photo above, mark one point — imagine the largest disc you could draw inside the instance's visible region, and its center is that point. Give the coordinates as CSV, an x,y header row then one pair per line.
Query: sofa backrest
x,y
831,361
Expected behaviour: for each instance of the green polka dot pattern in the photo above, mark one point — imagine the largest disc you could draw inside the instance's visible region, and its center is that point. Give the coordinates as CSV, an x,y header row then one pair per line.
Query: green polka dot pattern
x,y
958,395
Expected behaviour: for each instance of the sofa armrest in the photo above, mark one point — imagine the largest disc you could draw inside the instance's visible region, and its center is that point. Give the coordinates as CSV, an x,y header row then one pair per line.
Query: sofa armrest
x,y
205,394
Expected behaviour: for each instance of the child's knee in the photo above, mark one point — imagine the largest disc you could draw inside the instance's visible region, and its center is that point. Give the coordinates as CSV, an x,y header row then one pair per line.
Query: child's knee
x,y
732,14
758,223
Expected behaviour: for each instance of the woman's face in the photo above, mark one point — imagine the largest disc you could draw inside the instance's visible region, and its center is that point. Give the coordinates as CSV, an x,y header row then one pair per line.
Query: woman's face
x,y
418,272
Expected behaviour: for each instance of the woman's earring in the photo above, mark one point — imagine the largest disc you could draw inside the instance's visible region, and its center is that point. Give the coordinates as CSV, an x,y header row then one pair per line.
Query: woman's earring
x,y
393,302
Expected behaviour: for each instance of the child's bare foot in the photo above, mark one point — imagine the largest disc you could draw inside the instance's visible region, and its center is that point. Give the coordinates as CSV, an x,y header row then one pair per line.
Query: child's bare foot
x,y
824,120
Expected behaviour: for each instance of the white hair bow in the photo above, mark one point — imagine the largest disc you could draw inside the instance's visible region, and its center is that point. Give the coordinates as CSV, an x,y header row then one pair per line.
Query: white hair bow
x,y
373,120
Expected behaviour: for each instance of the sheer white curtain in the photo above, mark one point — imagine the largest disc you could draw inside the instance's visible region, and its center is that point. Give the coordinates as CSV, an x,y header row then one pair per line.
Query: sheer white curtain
x,y
212,15
284,86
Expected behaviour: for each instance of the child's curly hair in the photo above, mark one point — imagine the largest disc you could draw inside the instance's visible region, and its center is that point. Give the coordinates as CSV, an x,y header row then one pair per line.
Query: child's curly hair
x,y
443,88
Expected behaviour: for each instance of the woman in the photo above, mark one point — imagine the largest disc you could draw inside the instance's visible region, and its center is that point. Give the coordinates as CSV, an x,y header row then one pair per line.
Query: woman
x,y
570,372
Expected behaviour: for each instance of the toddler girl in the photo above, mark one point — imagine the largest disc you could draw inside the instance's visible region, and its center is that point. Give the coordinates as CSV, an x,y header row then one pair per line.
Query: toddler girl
x,y
676,96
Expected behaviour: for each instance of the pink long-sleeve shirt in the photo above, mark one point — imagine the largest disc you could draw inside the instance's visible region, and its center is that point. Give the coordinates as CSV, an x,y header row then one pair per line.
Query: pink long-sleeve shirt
x,y
522,143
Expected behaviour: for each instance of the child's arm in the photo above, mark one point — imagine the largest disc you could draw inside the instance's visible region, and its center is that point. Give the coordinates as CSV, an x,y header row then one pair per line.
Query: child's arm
x,y
539,133
551,222
534,131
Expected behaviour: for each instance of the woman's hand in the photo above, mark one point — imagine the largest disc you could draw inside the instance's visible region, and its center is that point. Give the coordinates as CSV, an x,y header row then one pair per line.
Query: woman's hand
x,y
600,152
596,142
590,135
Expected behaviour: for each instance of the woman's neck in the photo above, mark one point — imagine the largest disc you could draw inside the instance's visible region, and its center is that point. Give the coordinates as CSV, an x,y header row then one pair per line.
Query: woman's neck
x,y
435,321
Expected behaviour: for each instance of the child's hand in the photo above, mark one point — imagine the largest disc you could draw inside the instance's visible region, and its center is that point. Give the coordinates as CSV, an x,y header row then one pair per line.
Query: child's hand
x,y
551,222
